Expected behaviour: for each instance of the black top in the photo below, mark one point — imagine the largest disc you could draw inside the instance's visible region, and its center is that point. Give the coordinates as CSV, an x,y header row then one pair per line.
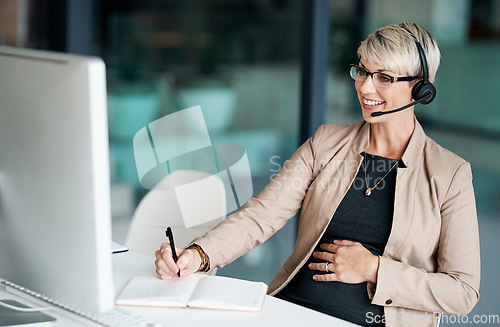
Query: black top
x,y
359,218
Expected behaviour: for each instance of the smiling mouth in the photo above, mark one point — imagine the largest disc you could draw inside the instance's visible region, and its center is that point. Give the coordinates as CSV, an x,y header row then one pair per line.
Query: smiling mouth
x,y
372,102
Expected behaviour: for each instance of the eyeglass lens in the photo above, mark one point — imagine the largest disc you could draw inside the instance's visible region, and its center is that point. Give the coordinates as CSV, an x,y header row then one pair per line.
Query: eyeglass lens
x,y
379,79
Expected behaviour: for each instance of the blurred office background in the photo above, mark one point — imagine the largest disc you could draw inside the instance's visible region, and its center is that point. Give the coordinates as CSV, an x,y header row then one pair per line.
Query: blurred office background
x,y
242,61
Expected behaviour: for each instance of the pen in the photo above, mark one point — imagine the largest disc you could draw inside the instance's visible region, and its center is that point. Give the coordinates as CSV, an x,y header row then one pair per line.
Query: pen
x,y
170,236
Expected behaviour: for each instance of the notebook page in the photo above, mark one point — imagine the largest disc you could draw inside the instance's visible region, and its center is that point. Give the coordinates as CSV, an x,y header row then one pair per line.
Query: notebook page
x,y
151,291
218,292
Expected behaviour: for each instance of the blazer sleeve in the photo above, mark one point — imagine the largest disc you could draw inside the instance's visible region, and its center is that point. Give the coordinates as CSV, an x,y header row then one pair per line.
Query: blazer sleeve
x,y
454,287
265,214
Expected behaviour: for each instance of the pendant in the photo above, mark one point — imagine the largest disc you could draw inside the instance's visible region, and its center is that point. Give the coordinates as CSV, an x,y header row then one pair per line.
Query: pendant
x,y
368,191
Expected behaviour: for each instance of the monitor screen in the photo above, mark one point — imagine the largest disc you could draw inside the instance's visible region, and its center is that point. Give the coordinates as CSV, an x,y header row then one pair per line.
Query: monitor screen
x,y
55,220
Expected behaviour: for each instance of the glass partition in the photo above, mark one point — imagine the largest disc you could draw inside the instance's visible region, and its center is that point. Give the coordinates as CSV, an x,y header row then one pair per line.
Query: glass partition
x,y
238,60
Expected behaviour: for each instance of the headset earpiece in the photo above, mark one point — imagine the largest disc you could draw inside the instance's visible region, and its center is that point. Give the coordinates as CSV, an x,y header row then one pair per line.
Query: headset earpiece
x,y
423,91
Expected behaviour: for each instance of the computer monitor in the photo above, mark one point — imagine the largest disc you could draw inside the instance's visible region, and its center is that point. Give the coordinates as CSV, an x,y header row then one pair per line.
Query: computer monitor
x,y
55,224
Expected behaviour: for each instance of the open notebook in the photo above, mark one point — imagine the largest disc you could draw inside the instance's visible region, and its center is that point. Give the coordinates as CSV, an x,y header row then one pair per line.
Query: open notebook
x,y
194,291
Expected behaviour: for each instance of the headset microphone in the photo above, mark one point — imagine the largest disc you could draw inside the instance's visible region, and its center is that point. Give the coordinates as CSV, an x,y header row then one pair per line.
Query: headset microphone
x,y
422,101
423,91
381,113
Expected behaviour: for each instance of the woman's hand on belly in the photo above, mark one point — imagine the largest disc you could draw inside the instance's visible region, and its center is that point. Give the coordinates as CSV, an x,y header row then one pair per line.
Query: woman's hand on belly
x,y
347,262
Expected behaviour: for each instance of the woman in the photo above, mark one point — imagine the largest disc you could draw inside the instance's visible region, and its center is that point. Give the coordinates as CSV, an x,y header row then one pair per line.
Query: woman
x,y
388,231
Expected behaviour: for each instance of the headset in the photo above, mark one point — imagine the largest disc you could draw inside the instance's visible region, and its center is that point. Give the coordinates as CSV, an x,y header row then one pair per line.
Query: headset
x,y
423,92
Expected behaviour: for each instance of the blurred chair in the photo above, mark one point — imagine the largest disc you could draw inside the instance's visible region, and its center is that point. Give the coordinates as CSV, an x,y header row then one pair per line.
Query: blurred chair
x,y
190,202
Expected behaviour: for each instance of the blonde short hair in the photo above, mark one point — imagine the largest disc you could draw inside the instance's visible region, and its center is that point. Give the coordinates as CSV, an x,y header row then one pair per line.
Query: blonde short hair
x,y
394,48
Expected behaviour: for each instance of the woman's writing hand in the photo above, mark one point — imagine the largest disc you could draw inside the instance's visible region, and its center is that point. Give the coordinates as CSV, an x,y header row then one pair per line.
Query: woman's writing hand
x,y
349,262
188,262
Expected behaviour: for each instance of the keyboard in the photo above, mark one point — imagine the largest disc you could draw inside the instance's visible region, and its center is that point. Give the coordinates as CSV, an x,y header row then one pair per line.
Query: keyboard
x,y
114,318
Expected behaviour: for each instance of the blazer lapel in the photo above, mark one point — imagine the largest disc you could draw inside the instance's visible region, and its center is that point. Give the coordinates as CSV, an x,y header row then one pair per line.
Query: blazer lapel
x,y
406,182
406,185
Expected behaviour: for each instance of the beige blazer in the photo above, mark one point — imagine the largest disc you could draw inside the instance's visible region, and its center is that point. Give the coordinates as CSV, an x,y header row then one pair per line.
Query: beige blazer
x,y
430,264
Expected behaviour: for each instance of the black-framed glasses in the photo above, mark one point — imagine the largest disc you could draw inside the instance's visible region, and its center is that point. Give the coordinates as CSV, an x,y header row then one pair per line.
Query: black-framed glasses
x,y
383,80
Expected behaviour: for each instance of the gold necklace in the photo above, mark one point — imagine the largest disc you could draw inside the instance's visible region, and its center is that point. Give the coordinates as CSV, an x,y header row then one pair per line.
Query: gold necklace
x,y
369,190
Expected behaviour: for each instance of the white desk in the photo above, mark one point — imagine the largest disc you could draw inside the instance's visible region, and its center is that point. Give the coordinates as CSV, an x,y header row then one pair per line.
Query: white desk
x,y
275,312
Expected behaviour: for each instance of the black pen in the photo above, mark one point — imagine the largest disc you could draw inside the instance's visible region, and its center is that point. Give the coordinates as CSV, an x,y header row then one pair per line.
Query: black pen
x,y
170,236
